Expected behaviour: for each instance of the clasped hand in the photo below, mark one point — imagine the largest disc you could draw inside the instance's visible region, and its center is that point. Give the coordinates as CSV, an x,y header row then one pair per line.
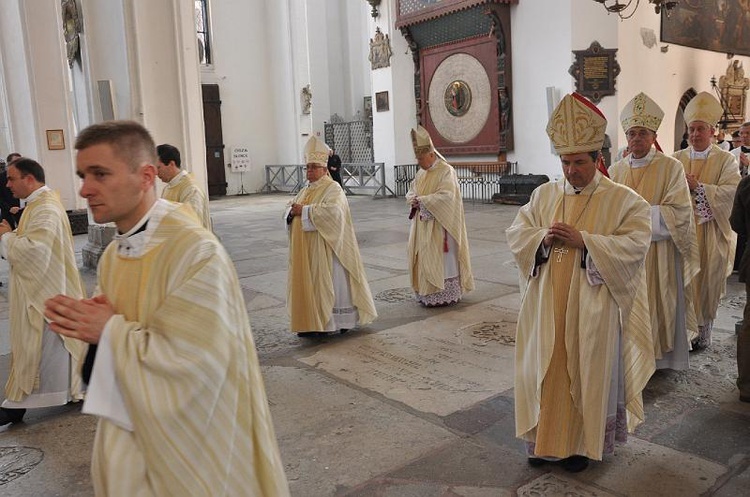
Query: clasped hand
x,y
564,233
296,210
692,182
83,319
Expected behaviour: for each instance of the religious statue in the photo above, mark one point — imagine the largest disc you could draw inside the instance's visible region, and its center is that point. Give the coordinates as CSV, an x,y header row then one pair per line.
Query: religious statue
x,y
380,50
306,99
504,101
71,29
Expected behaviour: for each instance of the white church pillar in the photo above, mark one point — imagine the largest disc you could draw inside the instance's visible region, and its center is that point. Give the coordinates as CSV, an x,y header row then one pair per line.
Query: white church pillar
x,y
38,92
165,78
391,138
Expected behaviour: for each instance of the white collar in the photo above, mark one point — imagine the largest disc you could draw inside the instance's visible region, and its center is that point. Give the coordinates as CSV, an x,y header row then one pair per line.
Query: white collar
x,y
133,243
177,178
571,190
36,193
643,161
694,154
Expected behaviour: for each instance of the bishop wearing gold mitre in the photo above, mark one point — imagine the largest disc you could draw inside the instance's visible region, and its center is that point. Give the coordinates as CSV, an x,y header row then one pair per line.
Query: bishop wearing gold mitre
x,y
328,289
672,260
438,250
584,350
712,176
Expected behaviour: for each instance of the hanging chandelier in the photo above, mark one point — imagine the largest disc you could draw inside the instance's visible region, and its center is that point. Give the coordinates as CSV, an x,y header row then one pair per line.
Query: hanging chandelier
x,y
627,8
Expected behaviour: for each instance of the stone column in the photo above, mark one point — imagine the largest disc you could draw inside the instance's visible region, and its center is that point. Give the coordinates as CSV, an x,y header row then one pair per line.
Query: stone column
x,y
99,237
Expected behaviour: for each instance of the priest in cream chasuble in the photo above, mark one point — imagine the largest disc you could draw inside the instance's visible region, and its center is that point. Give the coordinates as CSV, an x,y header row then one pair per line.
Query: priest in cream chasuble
x,y
327,286
176,383
584,349
44,367
438,250
712,175
672,260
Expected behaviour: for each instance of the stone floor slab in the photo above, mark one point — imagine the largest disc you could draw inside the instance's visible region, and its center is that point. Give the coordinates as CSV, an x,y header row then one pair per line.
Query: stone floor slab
x,y
643,468
561,485
434,365
332,436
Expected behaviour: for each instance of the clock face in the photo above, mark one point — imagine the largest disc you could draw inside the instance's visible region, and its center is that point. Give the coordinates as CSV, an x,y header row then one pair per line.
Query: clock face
x,y
459,98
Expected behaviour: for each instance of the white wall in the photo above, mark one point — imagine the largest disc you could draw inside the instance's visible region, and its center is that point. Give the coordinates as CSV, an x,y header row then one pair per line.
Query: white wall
x,y
252,105
541,46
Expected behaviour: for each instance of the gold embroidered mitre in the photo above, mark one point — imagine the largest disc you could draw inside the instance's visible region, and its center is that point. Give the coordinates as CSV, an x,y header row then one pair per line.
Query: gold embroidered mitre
x,y
576,126
643,112
703,107
421,141
316,151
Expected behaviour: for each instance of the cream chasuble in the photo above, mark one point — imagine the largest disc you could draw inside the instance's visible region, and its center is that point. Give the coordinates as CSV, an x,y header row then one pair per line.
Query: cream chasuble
x,y
310,291
437,189
568,329
719,175
661,182
186,366
42,264
183,189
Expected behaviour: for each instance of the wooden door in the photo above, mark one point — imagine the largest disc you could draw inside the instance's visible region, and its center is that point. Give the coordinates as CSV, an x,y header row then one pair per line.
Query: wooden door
x,y
217,182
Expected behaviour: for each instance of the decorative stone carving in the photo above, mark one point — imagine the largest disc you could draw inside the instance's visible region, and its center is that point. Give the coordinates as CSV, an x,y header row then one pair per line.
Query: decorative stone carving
x,y
71,29
306,95
380,50
733,89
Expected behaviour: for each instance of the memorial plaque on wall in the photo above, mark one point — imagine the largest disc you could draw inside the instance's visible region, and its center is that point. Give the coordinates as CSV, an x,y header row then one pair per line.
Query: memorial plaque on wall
x,y
595,71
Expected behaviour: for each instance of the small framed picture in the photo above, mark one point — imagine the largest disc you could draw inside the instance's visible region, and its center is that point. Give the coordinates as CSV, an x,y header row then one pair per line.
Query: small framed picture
x,y
55,139
381,101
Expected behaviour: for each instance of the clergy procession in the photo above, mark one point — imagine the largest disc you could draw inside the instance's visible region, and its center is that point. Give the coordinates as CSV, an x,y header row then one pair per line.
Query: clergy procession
x,y
621,274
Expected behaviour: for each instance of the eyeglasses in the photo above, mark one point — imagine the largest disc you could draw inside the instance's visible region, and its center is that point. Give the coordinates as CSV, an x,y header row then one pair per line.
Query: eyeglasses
x,y
641,133
312,168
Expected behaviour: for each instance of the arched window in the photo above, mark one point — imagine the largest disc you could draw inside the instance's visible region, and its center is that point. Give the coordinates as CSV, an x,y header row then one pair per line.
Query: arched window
x,y
202,30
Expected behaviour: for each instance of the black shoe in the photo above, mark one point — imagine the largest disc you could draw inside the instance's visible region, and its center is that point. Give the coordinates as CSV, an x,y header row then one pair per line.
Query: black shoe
x,y
535,462
744,398
8,416
575,464
343,330
312,334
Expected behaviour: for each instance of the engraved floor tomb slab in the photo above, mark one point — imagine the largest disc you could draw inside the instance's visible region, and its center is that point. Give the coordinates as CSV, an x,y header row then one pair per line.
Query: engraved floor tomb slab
x,y
438,365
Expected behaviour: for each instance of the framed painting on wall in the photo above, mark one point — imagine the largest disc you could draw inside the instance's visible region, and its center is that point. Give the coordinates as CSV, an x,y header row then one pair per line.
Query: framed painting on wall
x,y
381,101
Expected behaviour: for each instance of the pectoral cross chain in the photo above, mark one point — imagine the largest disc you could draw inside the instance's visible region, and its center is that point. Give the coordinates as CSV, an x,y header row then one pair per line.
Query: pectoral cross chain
x,y
560,251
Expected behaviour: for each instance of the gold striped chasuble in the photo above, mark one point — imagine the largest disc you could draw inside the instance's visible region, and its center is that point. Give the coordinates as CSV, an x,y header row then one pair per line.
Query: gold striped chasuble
x,y
716,240
186,364
187,192
43,264
662,182
310,293
437,189
568,329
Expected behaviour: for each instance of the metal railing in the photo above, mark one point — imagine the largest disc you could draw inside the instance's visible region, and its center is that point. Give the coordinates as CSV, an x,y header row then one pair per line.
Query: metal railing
x,y
478,181
365,177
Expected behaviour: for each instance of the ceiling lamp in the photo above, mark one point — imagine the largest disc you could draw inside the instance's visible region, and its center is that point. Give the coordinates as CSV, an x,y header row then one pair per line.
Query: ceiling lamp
x,y
627,8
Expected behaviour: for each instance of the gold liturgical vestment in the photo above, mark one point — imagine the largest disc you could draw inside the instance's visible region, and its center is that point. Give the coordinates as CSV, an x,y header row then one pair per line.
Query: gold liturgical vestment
x,y
185,191
569,331
437,189
43,264
310,291
719,175
186,365
662,183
